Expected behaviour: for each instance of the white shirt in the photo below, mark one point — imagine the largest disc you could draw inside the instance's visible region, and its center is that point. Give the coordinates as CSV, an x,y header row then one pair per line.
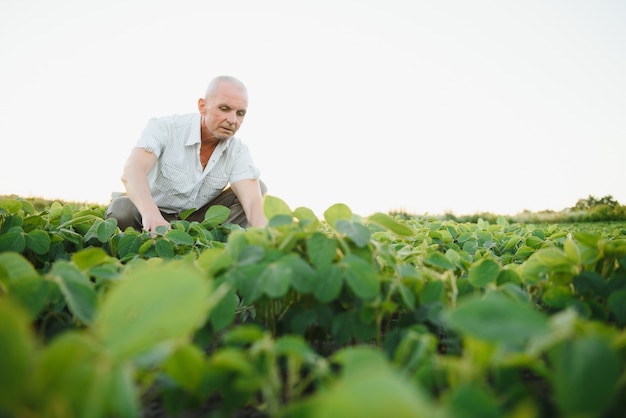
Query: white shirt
x,y
177,181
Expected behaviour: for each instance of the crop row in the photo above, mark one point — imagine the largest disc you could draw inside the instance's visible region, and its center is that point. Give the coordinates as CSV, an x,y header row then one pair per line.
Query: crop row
x,y
344,316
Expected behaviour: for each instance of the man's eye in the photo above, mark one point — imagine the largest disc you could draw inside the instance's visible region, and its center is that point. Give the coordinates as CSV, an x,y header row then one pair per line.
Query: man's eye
x,y
224,108
240,113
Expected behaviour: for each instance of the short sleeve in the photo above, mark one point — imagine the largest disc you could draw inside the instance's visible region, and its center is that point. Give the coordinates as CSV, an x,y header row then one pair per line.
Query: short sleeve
x,y
243,167
153,137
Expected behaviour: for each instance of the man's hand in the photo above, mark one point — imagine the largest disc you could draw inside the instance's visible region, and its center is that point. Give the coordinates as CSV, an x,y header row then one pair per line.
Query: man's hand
x,y
151,220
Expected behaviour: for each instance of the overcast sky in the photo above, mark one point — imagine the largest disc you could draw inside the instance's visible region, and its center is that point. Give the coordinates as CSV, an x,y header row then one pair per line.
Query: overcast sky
x,y
423,106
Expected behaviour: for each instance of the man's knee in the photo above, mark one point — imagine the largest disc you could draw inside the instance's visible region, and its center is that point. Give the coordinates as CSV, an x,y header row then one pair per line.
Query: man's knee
x,y
125,212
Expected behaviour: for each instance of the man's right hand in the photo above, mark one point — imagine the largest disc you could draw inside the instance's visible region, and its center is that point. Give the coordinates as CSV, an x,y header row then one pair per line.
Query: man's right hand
x,y
150,221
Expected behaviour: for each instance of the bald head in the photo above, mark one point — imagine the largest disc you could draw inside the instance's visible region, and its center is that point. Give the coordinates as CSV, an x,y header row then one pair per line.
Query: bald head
x,y
215,84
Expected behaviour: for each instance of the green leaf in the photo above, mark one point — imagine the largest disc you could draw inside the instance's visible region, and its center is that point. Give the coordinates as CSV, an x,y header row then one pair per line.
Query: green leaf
x,y
321,249
224,312
586,375
336,212
106,229
371,388
329,284
11,205
214,259
617,305
17,354
358,233
392,225
303,276
273,206
473,401
13,240
275,279
128,244
38,241
154,304
186,366
90,257
436,259
557,296
77,289
178,237
164,249
216,215
432,292
496,318
15,267
484,272
361,277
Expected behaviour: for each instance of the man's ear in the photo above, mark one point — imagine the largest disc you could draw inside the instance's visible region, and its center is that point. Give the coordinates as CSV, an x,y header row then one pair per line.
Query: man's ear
x,y
201,105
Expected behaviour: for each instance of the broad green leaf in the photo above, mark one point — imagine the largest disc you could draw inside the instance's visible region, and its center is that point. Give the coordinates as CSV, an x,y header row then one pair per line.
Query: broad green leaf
x,y
33,294
336,212
38,241
77,289
558,296
179,237
586,375
473,401
185,214
361,277
13,240
431,292
244,334
308,219
392,225
128,244
508,275
164,249
484,272
497,318
273,206
122,397
303,276
216,215
580,254
436,259
359,234
152,305
76,377
17,356
214,259
224,312
617,305
321,249
275,279
15,267
106,229
10,205
329,284
90,257
373,389
186,366
295,347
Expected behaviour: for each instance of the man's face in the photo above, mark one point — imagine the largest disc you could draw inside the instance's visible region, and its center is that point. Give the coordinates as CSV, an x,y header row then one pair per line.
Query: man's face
x,y
223,112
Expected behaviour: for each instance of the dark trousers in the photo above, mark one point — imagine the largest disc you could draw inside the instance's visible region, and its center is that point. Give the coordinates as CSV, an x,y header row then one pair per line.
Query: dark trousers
x,y
126,213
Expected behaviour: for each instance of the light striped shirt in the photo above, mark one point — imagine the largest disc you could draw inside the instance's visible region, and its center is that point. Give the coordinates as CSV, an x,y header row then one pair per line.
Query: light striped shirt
x,y
177,181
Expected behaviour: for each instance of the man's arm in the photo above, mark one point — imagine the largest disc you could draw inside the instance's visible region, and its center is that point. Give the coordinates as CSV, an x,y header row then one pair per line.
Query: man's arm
x,y
249,194
135,179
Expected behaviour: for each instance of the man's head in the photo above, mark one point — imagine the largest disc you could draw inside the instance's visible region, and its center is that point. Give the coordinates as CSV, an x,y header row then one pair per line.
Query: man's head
x,y
223,108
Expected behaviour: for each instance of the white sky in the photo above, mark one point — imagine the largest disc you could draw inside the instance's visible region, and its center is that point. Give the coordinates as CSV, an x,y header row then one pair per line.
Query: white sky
x,y
425,106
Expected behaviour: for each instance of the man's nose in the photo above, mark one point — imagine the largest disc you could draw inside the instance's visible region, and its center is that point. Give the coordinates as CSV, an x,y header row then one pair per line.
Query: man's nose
x,y
232,118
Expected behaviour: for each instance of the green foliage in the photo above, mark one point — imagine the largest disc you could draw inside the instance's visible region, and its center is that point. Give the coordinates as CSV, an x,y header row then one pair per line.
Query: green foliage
x,y
341,316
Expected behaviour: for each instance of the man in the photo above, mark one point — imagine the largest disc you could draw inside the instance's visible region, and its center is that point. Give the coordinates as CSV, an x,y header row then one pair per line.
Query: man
x,y
184,162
